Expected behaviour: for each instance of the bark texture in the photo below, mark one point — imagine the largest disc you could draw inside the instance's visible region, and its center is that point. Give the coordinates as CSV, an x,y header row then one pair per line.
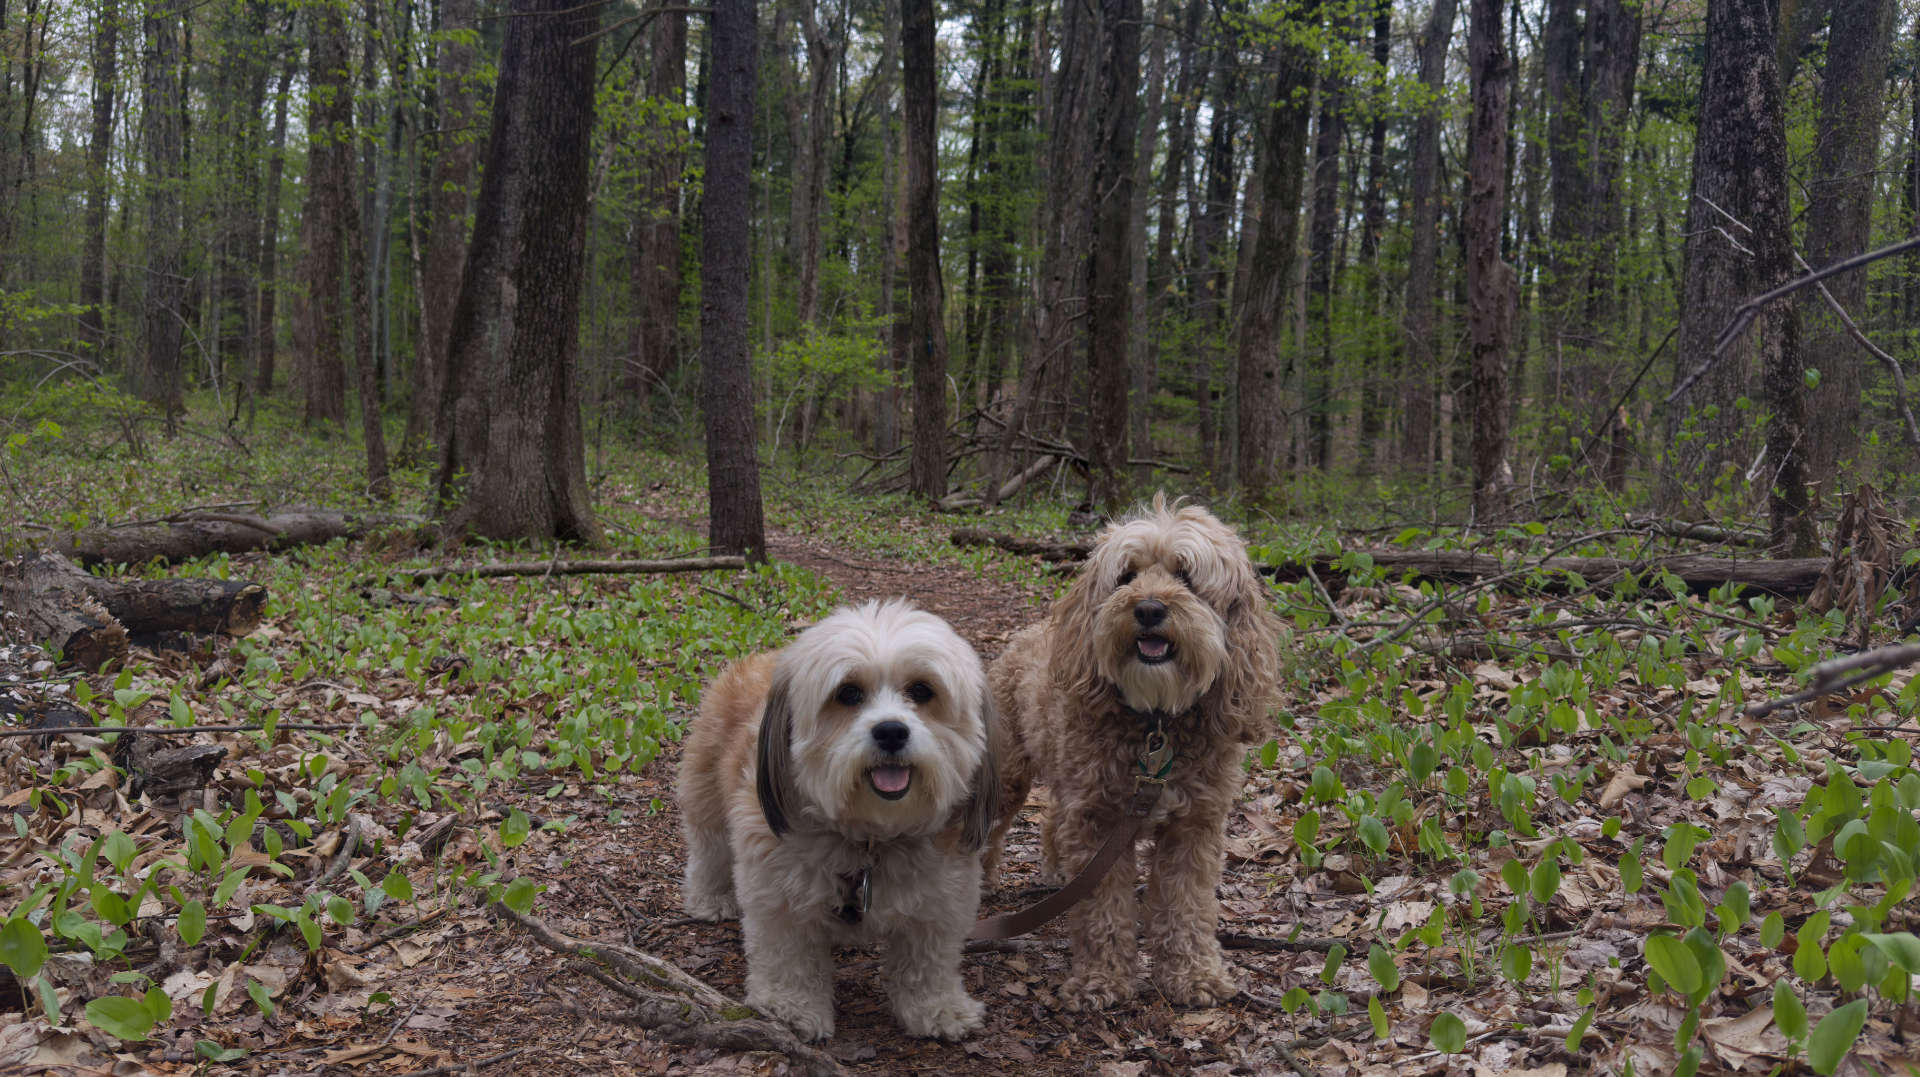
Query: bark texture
x,y
1420,380
1737,247
1840,221
162,88
726,373
320,313
1260,450
455,145
1110,271
93,262
1490,281
927,335
517,406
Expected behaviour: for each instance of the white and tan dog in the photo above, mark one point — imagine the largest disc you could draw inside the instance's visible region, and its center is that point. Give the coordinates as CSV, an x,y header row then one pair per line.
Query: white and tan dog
x,y
839,791
1168,628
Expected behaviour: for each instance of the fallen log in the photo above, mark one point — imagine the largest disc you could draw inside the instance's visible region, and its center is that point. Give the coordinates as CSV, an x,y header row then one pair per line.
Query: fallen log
x,y
1788,578
1046,551
199,534
87,619
573,568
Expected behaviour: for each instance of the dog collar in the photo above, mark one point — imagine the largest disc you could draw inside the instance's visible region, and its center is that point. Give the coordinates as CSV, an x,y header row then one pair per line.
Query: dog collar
x,y
856,891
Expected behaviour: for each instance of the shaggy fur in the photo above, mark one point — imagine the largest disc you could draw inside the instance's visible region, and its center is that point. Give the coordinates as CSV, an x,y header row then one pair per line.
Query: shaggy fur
x,y
1168,615
861,745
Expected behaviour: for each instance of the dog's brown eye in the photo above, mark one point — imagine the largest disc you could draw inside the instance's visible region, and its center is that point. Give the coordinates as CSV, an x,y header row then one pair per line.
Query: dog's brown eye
x,y
1127,577
850,695
1186,581
920,692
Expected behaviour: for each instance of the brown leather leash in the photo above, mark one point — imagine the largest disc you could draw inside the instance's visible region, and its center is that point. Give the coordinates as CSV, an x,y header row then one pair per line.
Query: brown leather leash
x,y
1156,762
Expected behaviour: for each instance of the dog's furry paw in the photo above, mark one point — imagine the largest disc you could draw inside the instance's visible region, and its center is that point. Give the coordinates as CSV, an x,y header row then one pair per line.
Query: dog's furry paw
x,y
1200,987
711,906
808,1023
945,1017
1086,993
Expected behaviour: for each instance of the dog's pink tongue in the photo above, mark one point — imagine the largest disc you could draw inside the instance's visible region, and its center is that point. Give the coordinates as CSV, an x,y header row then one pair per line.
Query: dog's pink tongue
x,y
892,779
1153,648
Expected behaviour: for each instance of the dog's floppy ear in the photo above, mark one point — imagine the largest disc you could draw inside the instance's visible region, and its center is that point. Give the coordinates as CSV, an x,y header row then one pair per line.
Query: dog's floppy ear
x,y
773,770
983,802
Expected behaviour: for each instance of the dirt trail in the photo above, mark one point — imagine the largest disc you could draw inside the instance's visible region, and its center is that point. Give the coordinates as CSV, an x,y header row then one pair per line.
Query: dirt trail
x,y
616,873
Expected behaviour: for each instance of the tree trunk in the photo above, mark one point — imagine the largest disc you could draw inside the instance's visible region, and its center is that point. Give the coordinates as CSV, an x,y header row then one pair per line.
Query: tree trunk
x,y
1420,381
1840,221
1490,281
1736,247
726,373
455,147
657,231
266,341
161,87
1208,282
1260,451
93,263
1373,219
1613,57
886,402
372,435
1141,362
928,333
1329,137
1110,268
810,165
241,89
319,314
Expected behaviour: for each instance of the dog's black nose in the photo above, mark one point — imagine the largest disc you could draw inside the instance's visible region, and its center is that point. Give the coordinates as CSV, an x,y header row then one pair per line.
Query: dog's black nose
x,y
1149,612
891,736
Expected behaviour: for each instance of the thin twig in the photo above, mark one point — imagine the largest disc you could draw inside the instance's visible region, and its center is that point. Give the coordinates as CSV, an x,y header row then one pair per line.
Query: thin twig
x,y
1853,330
1840,674
463,1067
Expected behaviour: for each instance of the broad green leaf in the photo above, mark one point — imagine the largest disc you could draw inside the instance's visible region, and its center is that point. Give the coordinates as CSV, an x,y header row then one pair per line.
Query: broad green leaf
x,y
118,848
22,948
229,885
1734,909
121,1017
1385,972
340,910
1373,834
1788,1014
1689,1063
1514,874
1546,880
1579,1030
1833,1037
1675,963
261,997
192,924
514,828
1335,955
1901,947
519,895
1449,1034
1844,961
397,886
1773,929
1378,1015
1516,962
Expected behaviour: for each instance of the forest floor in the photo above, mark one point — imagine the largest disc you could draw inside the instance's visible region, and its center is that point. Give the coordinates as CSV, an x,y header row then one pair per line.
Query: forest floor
x,y
1459,856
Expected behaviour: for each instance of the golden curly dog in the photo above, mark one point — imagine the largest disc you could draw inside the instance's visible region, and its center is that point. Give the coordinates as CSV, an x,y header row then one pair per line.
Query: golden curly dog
x,y
1168,623
837,792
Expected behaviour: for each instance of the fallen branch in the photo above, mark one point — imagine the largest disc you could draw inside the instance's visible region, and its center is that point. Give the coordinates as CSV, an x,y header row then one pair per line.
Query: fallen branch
x,y
1046,551
1839,674
673,1003
465,1067
572,568
176,731
88,619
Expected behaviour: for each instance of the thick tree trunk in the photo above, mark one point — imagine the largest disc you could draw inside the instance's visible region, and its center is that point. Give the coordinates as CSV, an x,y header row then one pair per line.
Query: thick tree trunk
x,y
456,148
1736,247
1613,58
162,87
526,459
1260,451
93,263
928,333
240,89
1490,281
1840,221
1110,266
1420,381
320,315
88,618
726,386
810,171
